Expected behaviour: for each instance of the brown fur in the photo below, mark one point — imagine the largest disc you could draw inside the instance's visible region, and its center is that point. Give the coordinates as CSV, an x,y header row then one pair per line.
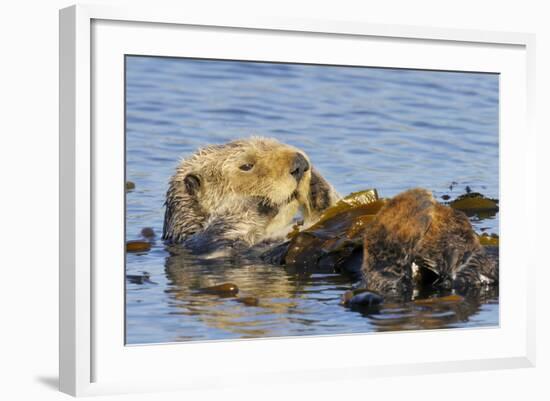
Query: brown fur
x,y
212,202
412,229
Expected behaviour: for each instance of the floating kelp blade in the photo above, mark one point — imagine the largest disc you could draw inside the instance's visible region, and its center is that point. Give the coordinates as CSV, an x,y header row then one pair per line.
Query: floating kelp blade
x,y
440,300
489,240
355,199
333,244
138,246
361,197
226,289
248,301
474,203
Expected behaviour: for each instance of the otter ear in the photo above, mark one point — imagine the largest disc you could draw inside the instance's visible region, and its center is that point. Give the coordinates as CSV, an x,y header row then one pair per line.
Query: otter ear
x,y
321,194
192,183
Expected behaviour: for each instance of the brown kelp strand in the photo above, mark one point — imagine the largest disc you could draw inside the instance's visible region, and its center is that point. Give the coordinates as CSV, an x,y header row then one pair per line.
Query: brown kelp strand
x,y
138,246
474,203
225,289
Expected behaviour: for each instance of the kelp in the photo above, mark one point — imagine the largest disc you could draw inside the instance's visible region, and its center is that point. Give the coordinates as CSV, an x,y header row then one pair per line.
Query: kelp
x,y
334,243
248,301
474,203
142,278
489,240
222,290
447,299
138,246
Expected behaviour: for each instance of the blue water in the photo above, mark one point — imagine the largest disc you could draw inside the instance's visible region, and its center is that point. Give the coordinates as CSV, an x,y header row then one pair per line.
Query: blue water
x,y
361,127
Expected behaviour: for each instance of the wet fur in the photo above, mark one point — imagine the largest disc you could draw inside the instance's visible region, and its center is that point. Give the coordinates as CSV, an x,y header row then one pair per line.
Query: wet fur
x,y
413,228
211,203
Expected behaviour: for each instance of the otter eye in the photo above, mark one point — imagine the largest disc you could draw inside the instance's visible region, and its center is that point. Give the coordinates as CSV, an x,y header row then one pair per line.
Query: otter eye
x,y
246,167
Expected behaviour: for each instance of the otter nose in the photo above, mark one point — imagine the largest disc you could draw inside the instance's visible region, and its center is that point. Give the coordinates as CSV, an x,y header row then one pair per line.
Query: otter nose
x,y
299,166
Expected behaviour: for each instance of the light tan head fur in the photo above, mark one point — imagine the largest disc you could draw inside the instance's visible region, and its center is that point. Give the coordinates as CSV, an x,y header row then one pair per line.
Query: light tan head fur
x,y
248,190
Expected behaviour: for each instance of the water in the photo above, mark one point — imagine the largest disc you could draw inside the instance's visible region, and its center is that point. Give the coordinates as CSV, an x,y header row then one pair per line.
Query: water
x,y
361,127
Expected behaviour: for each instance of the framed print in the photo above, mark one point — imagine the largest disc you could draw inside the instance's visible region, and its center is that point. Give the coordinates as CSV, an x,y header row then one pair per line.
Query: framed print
x,y
345,196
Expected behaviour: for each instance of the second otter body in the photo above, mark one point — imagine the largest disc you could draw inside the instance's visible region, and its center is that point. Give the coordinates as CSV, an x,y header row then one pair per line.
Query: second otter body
x,y
244,192
415,241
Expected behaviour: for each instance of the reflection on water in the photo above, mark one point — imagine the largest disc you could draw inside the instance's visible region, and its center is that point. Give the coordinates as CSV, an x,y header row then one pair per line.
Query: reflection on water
x,y
290,303
437,312
361,127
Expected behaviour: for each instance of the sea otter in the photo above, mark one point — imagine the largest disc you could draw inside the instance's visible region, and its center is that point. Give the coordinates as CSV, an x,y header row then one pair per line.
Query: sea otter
x,y
414,242
244,192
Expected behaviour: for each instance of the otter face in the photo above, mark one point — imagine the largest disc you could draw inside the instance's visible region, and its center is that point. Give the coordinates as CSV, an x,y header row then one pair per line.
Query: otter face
x,y
267,171
251,189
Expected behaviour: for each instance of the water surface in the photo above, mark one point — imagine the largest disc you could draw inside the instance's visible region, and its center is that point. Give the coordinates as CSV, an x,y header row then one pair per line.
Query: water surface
x,y
361,127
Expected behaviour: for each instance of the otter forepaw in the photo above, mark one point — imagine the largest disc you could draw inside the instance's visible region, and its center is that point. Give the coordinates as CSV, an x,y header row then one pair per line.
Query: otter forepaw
x,y
321,194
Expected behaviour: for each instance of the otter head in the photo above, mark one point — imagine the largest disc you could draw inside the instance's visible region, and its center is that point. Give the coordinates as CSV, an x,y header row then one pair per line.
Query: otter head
x,y
248,189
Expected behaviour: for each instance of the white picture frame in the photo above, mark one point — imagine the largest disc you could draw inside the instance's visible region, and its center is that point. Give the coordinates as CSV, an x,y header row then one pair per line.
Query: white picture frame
x,y
93,357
